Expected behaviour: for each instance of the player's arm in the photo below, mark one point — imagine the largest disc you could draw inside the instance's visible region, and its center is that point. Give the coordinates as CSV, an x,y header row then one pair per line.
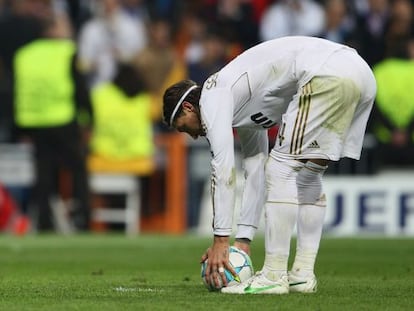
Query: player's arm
x,y
223,179
254,147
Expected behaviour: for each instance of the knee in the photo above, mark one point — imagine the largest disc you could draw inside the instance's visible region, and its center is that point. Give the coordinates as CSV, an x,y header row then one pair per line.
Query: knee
x,y
309,183
281,175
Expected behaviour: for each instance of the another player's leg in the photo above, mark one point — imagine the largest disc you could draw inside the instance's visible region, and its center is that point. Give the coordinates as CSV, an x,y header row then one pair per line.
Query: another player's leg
x,y
312,205
281,211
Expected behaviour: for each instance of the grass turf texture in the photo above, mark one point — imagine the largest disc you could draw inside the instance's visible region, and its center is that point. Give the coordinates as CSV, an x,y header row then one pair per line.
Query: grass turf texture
x,y
114,272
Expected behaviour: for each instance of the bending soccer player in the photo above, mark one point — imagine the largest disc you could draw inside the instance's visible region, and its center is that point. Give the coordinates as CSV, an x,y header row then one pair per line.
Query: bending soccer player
x,y
321,94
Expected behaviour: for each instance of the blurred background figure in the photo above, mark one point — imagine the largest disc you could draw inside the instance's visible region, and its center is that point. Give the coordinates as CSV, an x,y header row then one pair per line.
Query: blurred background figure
x,y
291,17
338,23
123,124
159,63
214,57
136,9
370,28
123,135
393,115
235,21
78,11
49,94
20,23
189,37
170,10
400,29
111,36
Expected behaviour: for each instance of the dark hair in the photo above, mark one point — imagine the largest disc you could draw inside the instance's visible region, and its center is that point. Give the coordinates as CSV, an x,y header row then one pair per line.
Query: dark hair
x,y
129,80
173,94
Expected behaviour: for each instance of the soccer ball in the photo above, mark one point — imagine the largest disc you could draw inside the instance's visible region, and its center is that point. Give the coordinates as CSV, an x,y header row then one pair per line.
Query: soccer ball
x,y
240,262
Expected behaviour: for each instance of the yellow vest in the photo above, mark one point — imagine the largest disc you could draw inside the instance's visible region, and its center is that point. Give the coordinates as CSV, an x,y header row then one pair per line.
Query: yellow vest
x,y
43,83
394,96
123,127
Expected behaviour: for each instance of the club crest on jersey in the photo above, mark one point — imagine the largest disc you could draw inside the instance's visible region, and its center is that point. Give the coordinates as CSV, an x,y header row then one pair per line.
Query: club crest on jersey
x,y
211,81
260,119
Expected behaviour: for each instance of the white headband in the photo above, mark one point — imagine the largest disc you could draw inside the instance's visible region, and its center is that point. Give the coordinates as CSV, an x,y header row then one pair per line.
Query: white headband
x,y
180,102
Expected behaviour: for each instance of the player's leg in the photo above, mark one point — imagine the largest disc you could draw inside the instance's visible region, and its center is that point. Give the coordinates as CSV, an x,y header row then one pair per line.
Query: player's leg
x,y
311,214
314,130
281,211
330,103
336,123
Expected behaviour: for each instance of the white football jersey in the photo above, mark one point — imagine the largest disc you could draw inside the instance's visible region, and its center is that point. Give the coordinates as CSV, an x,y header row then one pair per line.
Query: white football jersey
x,y
251,94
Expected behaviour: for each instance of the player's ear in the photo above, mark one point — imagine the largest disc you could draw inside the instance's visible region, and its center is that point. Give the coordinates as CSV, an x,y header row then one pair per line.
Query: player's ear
x,y
188,106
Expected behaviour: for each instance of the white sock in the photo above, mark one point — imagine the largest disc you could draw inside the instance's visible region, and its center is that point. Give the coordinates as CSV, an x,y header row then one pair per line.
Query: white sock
x,y
280,222
311,214
310,224
275,266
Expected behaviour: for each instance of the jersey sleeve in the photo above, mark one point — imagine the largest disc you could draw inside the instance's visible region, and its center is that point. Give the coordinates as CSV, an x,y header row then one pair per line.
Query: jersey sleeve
x,y
254,147
217,113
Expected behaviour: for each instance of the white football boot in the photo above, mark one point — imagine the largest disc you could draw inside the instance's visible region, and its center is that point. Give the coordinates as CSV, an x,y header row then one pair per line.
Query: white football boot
x,y
259,284
300,284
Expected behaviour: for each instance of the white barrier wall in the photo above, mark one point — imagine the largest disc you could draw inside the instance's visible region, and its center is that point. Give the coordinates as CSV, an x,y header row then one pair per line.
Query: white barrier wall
x,y
381,205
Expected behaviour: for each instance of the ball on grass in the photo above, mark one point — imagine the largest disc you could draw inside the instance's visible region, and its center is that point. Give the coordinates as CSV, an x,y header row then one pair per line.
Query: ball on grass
x,y
241,263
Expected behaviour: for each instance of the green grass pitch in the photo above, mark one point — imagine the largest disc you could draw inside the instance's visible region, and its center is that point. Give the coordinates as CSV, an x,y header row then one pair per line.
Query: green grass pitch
x,y
151,272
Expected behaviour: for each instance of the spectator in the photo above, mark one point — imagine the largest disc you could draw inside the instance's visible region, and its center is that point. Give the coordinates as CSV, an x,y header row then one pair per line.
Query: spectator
x,y
359,7
18,26
393,117
236,21
159,63
49,92
213,58
338,26
370,28
137,9
123,126
79,11
109,37
259,7
400,29
291,17
190,35
169,10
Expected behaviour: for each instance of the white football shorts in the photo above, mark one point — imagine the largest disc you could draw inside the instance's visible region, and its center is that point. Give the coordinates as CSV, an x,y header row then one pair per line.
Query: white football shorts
x,y
327,117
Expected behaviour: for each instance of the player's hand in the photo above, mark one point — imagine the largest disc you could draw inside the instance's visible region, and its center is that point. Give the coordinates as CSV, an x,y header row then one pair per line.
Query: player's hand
x,y
218,261
245,247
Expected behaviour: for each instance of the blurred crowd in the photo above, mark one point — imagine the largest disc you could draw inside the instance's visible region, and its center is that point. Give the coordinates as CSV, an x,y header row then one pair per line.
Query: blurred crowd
x,y
118,56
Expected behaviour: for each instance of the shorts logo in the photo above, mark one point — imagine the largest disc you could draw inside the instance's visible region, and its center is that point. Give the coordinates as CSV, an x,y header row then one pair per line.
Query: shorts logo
x,y
314,144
